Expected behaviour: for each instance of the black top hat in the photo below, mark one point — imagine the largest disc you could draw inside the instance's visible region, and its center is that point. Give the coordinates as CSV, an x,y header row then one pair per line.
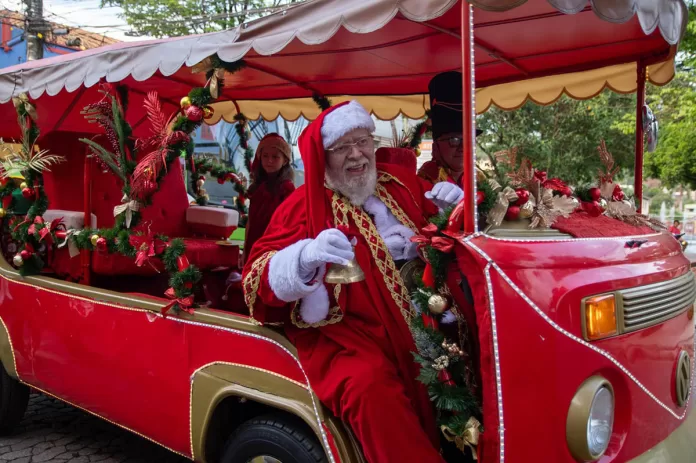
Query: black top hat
x,y
446,103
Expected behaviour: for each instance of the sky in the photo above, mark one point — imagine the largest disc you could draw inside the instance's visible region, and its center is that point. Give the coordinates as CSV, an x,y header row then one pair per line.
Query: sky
x,y
85,14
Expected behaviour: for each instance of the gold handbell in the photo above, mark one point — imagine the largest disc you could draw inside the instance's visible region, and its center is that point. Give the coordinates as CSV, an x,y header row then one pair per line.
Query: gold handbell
x,y
345,274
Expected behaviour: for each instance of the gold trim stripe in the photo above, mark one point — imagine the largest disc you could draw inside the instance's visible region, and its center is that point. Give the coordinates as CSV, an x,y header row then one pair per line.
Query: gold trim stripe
x,y
9,339
252,282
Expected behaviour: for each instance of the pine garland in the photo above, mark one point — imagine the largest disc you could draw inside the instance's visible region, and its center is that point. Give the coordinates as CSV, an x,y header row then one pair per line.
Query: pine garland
x,y
321,101
453,399
489,197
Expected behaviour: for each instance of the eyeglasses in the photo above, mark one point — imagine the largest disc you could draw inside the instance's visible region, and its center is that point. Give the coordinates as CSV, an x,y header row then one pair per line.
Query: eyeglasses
x,y
346,148
454,142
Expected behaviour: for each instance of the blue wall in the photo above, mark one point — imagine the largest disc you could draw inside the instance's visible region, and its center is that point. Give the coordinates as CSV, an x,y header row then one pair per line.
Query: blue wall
x,y
18,53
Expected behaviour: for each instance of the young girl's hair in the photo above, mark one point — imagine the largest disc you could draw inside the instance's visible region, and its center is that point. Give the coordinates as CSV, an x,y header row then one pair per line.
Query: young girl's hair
x,y
258,174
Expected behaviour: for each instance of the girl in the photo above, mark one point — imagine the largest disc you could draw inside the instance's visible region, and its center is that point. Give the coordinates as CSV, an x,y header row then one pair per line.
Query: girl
x,y
272,182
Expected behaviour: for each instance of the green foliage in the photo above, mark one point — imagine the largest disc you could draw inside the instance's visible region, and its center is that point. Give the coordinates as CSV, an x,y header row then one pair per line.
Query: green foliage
x,y
489,197
562,138
168,18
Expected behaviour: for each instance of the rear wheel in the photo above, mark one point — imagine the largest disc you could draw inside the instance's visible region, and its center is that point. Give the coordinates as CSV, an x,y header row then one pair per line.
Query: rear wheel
x,y
14,398
273,439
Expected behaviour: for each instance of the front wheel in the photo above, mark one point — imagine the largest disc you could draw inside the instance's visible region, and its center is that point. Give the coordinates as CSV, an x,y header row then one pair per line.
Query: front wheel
x,y
272,439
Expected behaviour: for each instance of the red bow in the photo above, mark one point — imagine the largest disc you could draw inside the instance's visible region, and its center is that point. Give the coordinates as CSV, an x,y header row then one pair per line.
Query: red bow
x,y
540,176
147,246
555,184
183,303
38,220
428,238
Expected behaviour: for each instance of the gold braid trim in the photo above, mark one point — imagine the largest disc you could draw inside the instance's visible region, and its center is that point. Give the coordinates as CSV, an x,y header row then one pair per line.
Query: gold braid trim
x,y
394,208
335,314
390,274
252,282
385,177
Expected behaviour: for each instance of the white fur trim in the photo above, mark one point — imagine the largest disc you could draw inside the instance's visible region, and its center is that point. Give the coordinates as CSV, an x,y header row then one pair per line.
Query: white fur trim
x,y
382,216
448,317
284,274
315,306
342,120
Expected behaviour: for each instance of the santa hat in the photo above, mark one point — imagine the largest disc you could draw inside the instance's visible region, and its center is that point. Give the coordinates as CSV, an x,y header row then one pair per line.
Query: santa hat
x,y
347,117
323,132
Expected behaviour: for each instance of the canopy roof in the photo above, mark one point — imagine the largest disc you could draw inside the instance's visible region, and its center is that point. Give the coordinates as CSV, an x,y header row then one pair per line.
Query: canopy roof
x,y
382,51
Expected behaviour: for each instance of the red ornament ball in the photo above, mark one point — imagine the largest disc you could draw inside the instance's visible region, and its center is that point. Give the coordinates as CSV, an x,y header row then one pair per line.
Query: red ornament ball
x,y
513,213
595,193
566,191
101,244
28,193
25,255
221,180
522,197
194,113
480,196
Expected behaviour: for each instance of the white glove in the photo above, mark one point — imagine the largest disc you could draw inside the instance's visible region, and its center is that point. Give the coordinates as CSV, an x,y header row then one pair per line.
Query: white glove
x,y
445,194
329,247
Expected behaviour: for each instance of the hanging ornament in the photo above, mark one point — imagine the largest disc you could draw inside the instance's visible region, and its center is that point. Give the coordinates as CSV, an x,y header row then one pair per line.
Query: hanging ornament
x,y
221,180
28,193
185,102
23,185
194,113
208,112
480,197
418,152
512,214
522,197
25,255
438,304
93,239
595,193
17,260
200,183
101,244
3,212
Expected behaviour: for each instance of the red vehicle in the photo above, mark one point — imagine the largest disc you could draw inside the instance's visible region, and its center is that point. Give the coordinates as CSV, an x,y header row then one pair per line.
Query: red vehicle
x,y
586,342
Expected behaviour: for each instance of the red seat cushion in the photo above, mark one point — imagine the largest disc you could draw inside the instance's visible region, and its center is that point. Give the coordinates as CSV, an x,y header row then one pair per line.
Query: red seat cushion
x,y
204,254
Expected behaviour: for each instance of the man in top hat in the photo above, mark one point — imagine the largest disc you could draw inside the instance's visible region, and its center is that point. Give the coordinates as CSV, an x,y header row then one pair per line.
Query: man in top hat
x,y
353,340
446,119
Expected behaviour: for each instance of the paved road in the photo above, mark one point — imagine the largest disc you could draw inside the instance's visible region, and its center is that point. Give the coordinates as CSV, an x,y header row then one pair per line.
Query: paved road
x,y
54,432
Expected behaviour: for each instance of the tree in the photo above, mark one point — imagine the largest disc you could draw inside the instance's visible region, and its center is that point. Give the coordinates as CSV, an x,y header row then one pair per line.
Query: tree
x,y
169,18
562,138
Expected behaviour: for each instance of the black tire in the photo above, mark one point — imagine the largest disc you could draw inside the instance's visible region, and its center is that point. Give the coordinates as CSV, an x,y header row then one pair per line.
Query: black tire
x,y
14,397
284,439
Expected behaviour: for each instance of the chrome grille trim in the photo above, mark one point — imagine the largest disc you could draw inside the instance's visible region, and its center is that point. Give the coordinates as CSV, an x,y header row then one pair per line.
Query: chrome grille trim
x,y
649,305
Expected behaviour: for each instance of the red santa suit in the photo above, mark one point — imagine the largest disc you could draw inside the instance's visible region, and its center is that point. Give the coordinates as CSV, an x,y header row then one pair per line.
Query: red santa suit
x,y
353,340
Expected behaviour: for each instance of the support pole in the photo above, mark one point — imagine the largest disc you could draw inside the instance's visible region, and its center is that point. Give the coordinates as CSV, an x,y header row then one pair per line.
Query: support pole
x,y
85,255
640,102
469,119
34,29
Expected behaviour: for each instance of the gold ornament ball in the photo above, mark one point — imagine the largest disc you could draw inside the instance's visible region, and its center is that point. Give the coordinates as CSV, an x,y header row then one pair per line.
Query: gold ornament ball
x,y
438,304
185,102
3,212
526,211
23,185
93,239
17,260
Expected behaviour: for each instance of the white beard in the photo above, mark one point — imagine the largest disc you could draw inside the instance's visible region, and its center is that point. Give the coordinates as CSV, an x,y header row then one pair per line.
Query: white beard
x,y
357,190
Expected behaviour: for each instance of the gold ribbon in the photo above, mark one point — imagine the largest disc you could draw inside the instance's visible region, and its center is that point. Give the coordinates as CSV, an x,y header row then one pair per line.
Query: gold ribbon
x,y
127,206
23,100
469,438
498,211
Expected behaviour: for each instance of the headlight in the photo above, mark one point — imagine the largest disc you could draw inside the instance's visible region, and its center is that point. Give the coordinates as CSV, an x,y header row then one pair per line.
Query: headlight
x,y
590,419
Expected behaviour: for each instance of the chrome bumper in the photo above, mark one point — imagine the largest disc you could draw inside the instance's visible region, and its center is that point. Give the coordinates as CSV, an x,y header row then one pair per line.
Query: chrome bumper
x,y
678,447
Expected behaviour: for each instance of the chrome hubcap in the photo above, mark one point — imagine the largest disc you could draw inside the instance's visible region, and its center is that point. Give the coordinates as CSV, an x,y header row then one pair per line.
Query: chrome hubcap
x,y
264,459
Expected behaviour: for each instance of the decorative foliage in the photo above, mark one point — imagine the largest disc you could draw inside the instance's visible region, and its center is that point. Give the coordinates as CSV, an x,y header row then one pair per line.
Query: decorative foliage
x,y
321,101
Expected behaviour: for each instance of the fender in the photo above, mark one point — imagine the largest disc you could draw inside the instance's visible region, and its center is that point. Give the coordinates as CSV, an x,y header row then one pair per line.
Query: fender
x,y
213,383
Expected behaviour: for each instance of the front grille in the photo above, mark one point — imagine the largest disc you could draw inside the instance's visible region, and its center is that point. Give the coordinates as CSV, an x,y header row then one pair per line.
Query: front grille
x,y
649,305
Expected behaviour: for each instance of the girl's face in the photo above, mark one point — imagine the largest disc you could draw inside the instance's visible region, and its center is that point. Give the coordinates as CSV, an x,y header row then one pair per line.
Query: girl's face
x,y
272,160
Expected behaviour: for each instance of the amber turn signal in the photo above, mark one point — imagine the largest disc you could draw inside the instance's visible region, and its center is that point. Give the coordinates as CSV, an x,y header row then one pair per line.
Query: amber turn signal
x,y
600,317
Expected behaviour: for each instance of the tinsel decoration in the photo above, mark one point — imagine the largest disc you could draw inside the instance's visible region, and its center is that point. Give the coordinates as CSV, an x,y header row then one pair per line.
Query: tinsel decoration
x,y
321,101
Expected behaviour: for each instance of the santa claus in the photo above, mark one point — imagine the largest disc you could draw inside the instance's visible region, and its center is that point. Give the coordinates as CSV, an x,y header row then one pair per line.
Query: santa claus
x,y
352,339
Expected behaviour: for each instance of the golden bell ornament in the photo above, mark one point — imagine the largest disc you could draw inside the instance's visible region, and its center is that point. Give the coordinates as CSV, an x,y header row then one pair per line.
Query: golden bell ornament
x,y
3,212
23,185
344,274
93,239
438,304
17,260
185,102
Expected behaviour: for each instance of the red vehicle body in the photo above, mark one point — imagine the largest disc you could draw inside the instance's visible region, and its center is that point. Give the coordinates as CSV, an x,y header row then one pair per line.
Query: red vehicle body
x,y
186,381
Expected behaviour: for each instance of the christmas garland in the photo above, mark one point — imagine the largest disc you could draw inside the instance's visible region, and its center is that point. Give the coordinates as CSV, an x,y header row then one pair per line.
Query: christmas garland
x,y
417,133
442,367
30,231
